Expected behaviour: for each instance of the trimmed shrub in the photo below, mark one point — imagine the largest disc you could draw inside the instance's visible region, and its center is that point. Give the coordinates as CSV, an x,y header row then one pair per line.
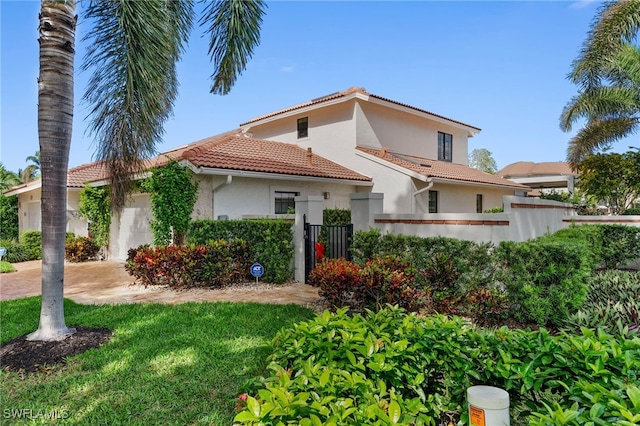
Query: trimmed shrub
x,y
214,264
32,242
632,211
80,249
16,252
545,281
336,217
271,242
338,280
9,217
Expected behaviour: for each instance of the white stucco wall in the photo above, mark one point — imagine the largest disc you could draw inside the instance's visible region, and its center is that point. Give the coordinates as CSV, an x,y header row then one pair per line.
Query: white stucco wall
x,y
130,228
30,215
458,198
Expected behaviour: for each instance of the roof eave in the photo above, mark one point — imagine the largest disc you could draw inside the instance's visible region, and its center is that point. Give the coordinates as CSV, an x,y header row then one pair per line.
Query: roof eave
x,y
266,175
392,166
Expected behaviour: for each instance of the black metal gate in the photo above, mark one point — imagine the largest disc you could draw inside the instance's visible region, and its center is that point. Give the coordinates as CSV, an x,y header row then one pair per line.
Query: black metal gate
x,y
325,241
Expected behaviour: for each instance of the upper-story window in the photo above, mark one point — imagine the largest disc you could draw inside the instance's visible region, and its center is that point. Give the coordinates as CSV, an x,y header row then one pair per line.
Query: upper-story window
x,y
445,142
303,127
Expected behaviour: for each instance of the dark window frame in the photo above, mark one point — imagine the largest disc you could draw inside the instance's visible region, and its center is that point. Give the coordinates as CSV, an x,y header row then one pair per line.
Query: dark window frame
x,y
479,208
303,127
284,201
445,147
433,201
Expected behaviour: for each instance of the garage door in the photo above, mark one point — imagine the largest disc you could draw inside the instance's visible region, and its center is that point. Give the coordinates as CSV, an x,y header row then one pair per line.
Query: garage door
x,y
134,227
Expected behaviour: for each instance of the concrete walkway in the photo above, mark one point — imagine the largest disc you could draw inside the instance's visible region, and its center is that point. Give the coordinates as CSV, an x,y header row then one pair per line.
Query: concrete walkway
x,y
108,283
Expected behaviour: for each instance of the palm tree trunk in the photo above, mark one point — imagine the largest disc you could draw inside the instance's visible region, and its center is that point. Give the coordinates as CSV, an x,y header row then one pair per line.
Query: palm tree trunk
x,y
55,119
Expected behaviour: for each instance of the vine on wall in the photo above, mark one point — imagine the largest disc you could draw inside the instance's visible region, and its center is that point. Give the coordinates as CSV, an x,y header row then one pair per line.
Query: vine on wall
x,y
95,206
173,194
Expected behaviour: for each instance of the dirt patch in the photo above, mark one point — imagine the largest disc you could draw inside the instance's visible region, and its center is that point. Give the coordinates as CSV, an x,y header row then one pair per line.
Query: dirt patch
x,y
21,354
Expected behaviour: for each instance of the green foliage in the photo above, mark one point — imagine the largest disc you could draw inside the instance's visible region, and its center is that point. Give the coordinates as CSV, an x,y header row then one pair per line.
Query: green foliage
x,y
338,280
173,194
6,267
613,178
544,281
32,242
611,246
481,159
95,206
612,303
344,370
336,217
632,211
80,249
271,242
495,210
214,264
16,252
9,217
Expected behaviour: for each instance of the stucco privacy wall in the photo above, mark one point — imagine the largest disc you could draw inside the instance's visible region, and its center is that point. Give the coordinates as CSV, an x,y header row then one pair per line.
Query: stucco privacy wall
x,y
523,219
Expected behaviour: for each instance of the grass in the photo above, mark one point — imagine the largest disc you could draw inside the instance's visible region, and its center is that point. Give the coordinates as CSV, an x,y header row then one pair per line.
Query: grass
x,y
6,267
166,364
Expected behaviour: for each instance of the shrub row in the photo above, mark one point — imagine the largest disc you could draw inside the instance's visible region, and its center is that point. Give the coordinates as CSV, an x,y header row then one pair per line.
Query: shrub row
x,y
271,242
213,264
540,281
394,368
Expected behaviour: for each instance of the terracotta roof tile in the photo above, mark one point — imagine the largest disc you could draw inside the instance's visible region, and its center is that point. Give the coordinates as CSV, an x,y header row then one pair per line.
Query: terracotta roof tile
x,y
529,168
237,152
346,93
441,169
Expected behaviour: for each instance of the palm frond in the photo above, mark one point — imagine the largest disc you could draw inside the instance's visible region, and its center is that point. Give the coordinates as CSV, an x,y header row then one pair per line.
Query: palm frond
x,y
617,23
601,103
599,135
133,50
234,29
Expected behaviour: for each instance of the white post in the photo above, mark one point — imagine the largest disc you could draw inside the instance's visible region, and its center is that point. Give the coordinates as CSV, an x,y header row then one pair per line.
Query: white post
x,y
488,406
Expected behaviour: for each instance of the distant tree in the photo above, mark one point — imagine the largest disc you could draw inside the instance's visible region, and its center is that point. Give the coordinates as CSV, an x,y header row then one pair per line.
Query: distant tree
x,y
8,179
612,178
32,171
481,159
608,73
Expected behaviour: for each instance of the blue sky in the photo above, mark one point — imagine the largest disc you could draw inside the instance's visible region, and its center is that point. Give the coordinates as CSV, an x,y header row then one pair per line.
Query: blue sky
x,y
499,65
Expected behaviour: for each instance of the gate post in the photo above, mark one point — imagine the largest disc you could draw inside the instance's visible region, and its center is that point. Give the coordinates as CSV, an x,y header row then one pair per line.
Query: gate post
x,y
310,206
364,206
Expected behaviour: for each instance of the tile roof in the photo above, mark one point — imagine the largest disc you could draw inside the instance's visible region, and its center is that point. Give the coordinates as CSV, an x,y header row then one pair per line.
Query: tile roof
x,y
233,151
238,152
441,169
344,94
529,168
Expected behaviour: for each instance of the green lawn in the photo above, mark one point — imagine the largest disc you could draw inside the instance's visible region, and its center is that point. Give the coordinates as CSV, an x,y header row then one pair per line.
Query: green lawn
x,y
6,267
166,364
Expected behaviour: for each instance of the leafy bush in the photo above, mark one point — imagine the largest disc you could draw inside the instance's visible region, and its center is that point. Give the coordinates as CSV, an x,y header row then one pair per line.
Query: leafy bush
x,y
9,217
80,249
271,242
382,280
612,303
32,242
336,216
16,252
394,368
214,264
545,281
632,211
6,267
338,280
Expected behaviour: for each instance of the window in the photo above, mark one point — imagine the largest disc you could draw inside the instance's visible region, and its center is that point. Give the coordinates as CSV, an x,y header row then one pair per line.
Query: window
x,y
285,202
445,142
303,127
433,201
479,203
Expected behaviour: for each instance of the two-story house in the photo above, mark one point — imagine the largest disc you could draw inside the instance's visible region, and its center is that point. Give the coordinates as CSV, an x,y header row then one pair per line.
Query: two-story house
x,y
346,142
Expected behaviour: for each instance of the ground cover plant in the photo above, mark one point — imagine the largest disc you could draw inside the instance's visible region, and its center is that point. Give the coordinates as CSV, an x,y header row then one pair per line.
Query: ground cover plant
x,y
390,367
178,364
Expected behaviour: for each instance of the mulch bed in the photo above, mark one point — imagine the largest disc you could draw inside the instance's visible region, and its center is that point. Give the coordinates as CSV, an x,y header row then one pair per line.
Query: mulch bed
x,y
22,355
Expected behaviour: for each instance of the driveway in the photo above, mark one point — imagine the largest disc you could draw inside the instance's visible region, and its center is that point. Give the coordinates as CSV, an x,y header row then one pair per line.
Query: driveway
x,y
107,283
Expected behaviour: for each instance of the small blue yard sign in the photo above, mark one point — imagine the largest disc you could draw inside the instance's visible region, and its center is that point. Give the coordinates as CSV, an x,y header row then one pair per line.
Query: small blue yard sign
x,y
257,270
3,252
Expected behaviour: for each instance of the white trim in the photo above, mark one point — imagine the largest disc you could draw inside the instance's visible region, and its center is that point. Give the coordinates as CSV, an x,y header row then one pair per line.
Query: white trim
x,y
275,176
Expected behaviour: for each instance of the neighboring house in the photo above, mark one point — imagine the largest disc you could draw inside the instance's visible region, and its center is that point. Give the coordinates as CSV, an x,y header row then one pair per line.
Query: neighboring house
x,y
333,146
544,178
418,159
